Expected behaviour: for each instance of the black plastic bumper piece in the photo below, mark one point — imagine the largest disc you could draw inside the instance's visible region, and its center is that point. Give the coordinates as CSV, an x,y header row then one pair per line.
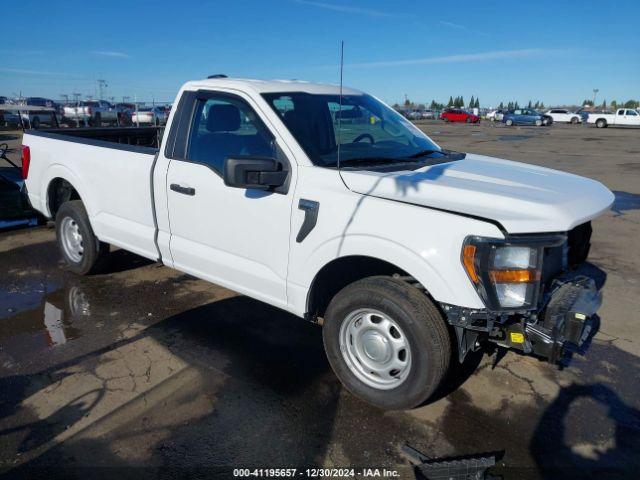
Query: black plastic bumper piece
x,y
567,320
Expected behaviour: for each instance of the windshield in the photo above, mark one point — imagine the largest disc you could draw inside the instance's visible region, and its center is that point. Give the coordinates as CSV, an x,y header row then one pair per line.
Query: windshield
x,y
365,128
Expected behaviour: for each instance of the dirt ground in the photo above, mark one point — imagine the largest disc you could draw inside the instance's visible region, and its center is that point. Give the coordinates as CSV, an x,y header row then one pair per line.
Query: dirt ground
x,y
144,371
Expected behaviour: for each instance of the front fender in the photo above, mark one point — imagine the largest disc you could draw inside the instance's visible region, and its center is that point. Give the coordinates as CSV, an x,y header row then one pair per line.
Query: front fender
x,y
450,285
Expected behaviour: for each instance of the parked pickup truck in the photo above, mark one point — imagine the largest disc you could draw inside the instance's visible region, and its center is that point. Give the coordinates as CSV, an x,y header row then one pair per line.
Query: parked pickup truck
x,y
409,255
623,116
93,112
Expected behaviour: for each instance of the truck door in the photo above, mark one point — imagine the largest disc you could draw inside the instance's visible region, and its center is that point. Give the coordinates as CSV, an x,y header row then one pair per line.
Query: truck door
x,y
631,118
238,238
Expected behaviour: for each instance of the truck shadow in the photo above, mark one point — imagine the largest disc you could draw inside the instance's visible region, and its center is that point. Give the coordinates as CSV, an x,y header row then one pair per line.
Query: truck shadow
x,y
272,398
615,457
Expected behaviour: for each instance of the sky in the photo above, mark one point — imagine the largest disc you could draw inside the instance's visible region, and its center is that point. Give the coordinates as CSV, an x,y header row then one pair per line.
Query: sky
x,y
555,51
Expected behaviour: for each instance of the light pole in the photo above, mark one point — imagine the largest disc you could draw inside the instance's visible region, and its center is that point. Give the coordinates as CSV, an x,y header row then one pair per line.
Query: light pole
x,y
595,92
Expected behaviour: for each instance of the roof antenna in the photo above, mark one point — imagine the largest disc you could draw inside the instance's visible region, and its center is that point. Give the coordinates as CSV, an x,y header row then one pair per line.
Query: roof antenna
x,y
340,103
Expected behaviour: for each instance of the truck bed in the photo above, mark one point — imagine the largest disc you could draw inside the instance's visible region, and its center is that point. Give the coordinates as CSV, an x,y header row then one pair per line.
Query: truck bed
x,y
112,171
147,138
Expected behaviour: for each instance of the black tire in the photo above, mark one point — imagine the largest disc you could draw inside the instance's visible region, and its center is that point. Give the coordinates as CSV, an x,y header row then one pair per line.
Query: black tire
x,y
574,120
601,123
420,321
509,122
94,253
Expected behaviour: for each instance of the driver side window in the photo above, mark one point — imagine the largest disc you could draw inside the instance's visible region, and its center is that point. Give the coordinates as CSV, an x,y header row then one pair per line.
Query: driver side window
x,y
225,126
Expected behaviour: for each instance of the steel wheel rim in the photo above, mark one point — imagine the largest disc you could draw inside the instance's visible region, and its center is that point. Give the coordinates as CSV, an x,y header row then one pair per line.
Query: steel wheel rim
x,y
72,241
375,349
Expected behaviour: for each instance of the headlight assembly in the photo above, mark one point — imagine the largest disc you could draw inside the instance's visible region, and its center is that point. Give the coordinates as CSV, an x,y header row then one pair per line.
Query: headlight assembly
x,y
506,273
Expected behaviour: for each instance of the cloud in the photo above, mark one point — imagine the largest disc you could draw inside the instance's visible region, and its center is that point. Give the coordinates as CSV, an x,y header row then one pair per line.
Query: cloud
x,y
348,9
110,53
20,71
461,58
452,25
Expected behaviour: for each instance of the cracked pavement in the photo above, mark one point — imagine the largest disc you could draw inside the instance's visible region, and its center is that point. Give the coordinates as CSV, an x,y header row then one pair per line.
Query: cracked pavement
x,y
147,367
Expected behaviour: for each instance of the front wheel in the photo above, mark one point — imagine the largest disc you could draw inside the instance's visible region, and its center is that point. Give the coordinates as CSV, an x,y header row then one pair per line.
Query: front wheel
x,y
387,342
538,123
601,123
509,122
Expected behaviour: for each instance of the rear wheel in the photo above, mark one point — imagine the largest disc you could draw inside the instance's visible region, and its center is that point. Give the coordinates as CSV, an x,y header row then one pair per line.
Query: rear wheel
x,y
509,122
387,342
79,247
538,123
574,120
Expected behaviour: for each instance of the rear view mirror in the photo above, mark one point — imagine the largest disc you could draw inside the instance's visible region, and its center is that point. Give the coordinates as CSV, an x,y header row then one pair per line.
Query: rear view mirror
x,y
253,172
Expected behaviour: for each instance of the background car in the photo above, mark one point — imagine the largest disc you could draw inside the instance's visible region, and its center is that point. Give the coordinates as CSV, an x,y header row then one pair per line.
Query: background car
x,y
526,116
496,115
564,115
45,102
427,114
149,116
459,115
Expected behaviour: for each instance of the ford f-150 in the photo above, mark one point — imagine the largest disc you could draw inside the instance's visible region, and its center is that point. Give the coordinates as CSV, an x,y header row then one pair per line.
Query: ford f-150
x,y
408,254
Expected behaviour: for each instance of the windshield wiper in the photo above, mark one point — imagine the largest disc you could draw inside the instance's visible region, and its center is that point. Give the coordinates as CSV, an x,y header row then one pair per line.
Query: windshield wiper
x,y
369,160
424,153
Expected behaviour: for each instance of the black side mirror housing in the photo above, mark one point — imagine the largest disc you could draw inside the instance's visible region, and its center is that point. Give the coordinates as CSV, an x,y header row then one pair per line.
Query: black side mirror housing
x,y
257,173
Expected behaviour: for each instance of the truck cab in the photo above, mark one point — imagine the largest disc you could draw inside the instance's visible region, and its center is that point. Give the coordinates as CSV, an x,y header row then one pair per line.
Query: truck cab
x,y
325,202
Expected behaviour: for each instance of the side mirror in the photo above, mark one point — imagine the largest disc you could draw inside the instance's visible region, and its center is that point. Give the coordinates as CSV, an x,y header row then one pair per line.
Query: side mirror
x,y
253,172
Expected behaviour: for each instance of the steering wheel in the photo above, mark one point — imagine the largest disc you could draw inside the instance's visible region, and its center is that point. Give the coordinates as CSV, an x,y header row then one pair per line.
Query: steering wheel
x,y
363,136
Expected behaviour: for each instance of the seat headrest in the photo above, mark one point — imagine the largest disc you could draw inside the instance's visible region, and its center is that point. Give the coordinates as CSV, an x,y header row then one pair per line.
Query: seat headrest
x,y
223,118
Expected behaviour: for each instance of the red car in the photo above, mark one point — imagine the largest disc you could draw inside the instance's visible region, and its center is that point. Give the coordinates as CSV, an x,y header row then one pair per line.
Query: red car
x,y
458,115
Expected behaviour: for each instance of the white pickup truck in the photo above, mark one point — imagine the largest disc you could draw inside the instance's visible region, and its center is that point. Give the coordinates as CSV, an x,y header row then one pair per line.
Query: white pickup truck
x,y
623,116
409,255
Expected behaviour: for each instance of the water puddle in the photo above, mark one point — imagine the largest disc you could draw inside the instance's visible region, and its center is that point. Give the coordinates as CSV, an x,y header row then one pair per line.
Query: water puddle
x,y
625,201
40,318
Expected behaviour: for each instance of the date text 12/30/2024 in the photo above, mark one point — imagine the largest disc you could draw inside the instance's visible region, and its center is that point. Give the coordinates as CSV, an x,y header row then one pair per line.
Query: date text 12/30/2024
x,y
315,473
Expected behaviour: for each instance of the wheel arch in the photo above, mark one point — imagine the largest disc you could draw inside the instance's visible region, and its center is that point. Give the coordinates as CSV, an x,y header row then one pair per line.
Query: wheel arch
x,y
61,186
342,271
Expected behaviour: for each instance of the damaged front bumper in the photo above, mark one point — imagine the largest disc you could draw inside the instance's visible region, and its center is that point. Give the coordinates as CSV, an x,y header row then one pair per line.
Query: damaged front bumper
x,y
562,325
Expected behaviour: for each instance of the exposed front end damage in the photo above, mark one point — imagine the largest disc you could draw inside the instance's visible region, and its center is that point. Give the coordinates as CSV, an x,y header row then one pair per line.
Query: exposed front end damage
x,y
561,316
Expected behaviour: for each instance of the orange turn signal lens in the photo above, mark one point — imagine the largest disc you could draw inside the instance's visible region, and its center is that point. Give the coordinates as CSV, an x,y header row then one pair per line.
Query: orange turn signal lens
x,y
514,276
468,259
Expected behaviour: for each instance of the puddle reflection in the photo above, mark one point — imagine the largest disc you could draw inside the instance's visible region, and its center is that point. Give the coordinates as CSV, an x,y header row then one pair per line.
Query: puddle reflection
x,y
57,318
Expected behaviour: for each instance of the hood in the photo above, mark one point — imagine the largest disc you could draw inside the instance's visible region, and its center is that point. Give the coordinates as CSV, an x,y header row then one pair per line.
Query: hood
x,y
523,198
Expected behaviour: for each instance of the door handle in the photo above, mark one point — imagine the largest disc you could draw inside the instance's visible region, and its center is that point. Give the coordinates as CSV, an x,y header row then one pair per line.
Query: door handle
x,y
184,190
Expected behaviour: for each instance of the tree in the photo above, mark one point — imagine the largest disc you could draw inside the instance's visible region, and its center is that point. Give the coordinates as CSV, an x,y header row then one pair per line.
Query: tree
x,y
537,104
461,101
501,106
541,104
516,106
450,104
510,105
472,102
529,105
631,104
604,104
614,104
407,103
421,106
587,102
477,105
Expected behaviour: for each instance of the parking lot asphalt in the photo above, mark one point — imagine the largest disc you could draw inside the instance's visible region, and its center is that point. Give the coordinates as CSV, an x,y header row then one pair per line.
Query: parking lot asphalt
x,y
143,366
